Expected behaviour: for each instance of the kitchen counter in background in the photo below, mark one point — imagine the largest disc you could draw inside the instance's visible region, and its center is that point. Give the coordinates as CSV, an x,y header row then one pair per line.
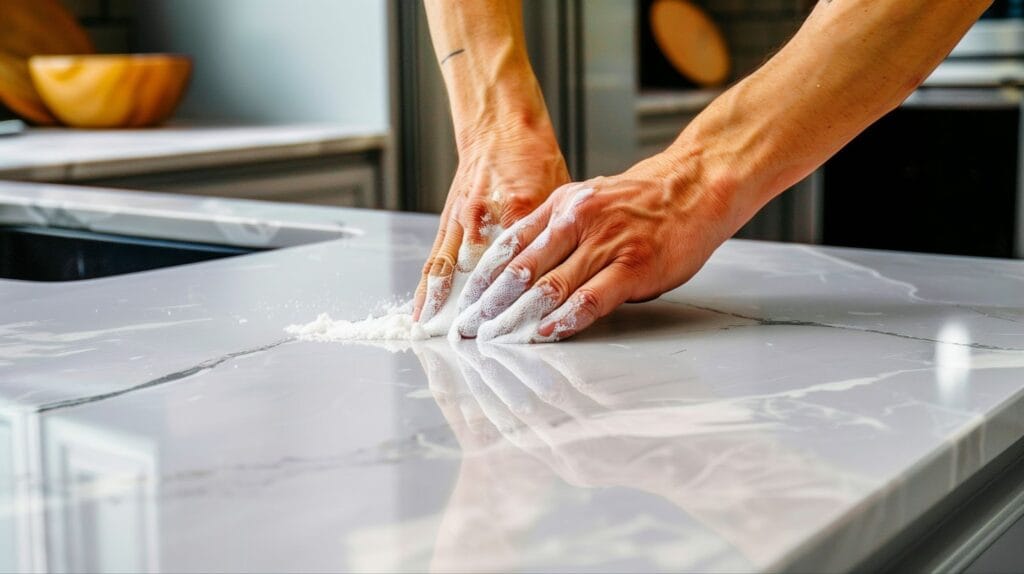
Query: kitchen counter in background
x,y
792,407
318,164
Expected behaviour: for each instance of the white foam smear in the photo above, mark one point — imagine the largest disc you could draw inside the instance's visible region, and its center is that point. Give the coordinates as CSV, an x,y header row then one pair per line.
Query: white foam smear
x,y
396,323
482,302
519,323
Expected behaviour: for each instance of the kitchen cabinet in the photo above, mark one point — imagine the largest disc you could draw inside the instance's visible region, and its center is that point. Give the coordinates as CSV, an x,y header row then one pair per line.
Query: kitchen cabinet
x,y
325,165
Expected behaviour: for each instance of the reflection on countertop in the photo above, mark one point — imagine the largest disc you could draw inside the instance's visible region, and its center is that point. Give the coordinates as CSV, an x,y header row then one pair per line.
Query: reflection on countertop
x,y
792,406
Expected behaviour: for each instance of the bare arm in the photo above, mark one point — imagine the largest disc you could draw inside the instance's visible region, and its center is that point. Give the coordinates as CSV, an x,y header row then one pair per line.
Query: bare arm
x,y
851,62
636,235
509,161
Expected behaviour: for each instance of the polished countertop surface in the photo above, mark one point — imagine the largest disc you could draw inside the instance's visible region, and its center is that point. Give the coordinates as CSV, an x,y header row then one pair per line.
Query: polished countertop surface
x,y
791,407
67,155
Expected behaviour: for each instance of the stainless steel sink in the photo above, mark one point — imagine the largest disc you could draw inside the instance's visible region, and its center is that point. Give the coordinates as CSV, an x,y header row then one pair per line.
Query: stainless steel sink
x,y
37,253
66,233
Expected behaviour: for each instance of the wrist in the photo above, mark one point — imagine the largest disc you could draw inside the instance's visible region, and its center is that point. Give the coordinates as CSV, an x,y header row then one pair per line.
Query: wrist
x,y
731,158
509,110
701,184
495,95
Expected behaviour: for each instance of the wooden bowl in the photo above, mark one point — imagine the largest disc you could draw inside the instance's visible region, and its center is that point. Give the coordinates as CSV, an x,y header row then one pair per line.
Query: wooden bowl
x,y
111,91
30,28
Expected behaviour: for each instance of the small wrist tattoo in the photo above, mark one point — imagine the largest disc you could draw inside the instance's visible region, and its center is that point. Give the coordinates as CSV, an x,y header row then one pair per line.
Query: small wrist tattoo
x,y
453,54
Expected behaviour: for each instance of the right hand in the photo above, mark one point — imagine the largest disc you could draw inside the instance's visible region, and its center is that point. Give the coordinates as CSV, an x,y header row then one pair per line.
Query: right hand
x,y
596,244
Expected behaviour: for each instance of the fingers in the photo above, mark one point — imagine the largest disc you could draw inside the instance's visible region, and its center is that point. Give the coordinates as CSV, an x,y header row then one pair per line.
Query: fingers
x,y
509,244
520,322
439,275
543,314
421,288
549,248
594,299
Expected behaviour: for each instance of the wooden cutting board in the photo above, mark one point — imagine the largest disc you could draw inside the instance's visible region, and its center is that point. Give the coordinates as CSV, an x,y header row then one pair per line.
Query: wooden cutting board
x,y
691,41
29,28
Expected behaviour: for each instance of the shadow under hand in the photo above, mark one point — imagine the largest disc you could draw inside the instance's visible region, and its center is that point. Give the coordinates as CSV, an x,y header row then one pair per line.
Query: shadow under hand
x,y
655,319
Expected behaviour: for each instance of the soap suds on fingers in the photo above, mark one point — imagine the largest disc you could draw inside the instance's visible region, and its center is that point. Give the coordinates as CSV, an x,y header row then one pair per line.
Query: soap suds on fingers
x,y
395,323
495,308
519,323
497,255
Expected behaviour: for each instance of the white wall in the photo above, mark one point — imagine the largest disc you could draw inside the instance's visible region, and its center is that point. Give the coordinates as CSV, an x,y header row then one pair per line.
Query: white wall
x,y
277,61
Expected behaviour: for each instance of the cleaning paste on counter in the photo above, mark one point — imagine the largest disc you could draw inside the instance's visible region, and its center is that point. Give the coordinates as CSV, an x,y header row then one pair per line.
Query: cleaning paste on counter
x,y
396,323
507,310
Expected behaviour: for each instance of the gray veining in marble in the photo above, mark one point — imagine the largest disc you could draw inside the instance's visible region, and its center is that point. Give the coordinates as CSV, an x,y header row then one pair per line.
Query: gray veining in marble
x,y
792,406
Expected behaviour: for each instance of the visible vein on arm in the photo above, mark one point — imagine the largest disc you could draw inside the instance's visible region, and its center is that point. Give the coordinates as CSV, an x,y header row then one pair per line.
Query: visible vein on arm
x,y
452,54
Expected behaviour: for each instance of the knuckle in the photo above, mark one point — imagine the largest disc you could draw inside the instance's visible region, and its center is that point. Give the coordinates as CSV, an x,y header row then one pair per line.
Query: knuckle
x,y
522,273
589,302
427,266
558,285
520,202
635,255
523,266
443,258
474,212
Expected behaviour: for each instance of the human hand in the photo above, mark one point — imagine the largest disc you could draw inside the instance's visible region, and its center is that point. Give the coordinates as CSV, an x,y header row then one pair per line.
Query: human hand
x,y
594,245
502,176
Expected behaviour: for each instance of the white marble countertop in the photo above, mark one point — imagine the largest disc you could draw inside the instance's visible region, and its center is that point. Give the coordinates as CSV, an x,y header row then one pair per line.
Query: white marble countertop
x,y
791,407
67,155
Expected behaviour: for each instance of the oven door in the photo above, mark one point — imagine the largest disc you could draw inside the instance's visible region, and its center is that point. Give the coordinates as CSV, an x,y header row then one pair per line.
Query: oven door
x,y
940,174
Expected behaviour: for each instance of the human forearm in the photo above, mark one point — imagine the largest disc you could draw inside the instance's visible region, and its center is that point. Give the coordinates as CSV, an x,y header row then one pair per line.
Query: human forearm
x,y
594,245
509,160
481,49
850,63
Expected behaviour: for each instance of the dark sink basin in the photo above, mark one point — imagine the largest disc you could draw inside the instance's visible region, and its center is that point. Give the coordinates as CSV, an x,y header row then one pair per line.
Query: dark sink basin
x,y
33,253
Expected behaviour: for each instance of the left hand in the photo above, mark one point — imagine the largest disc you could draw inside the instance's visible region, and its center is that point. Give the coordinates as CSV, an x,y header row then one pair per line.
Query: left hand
x,y
594,245
502,178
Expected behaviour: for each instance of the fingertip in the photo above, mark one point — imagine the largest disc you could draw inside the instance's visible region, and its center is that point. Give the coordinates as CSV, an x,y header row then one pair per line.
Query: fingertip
x,y
546,328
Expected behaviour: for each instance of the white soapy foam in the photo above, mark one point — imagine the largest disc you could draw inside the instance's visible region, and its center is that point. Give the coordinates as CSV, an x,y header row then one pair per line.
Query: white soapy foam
x,y
486,317
542,240
394,326
438,325
519,323
396,323
496,256
502,293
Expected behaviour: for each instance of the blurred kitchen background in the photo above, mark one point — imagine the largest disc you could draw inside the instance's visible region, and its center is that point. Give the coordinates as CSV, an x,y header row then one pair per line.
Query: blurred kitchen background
x,y
941,174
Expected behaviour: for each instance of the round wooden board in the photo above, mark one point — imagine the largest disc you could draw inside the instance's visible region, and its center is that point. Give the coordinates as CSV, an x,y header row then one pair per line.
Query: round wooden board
x,y
691,42
29,28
